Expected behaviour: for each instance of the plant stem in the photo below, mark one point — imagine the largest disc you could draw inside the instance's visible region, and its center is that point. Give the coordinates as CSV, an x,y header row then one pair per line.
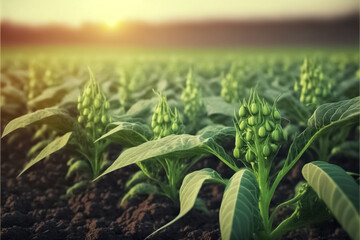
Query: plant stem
x,y
262,178
283,227
264,196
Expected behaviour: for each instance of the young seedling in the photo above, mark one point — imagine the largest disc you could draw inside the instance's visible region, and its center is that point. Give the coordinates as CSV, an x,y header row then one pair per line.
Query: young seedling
x,y
245,208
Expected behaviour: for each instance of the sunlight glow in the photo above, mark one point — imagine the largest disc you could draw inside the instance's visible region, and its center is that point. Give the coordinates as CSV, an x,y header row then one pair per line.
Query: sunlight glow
x,y
111,24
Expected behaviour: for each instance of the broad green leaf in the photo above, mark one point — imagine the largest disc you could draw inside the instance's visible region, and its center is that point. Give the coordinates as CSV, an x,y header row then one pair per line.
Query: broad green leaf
x,y
339,191
217,132
239,210
216,105
127,133
13,93
349,88
35,148
51,116
142,107
345,112
52,147
190,189
12,109
141,188
50,96
173,146
326,117
70,97
285,98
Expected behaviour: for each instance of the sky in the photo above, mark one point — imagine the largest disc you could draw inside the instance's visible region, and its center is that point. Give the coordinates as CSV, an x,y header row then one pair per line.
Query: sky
x,y
111,12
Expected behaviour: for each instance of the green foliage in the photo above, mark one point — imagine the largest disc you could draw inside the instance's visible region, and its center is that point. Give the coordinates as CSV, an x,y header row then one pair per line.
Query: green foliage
x,y
239,211
190,189
192,98
259,164
52,147
339,191
166,161
313,87
230,88
127,85
151,133
54,116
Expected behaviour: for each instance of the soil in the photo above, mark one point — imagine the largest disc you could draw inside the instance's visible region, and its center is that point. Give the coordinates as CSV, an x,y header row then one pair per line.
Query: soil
x,y
33,206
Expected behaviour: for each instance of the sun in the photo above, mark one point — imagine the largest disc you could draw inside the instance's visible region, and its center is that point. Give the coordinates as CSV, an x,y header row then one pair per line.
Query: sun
x,y
111,23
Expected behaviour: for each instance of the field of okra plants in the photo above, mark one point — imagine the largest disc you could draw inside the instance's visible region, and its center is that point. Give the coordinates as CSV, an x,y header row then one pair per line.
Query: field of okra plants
x,y
224,144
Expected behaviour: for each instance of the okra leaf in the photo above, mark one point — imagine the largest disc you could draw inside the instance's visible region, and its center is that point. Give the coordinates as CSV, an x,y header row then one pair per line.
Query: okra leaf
x,y
216,105
142,107
51,116
325,118
50,96
13,93
217,132
339,191
346,111
70,98
173,146
239,210
35,148
52,147
127,133
189,191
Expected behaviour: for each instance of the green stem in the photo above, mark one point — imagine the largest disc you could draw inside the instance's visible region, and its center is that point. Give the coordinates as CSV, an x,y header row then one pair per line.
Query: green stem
x,y
263,180
264,200
96,162
290,201
284,226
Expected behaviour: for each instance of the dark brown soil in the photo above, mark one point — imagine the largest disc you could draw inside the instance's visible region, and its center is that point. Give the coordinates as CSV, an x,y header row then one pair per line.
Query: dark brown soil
x,y
33,206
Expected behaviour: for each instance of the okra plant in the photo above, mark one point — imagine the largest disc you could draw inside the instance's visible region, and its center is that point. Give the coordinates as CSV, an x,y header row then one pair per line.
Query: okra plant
x,y
230,86
126,87
80,136
192,98
168,157
44,134
314,89
165,173
245,208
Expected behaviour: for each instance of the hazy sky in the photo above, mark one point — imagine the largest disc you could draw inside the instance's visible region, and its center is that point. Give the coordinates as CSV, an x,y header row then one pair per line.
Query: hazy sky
x,y
75,12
